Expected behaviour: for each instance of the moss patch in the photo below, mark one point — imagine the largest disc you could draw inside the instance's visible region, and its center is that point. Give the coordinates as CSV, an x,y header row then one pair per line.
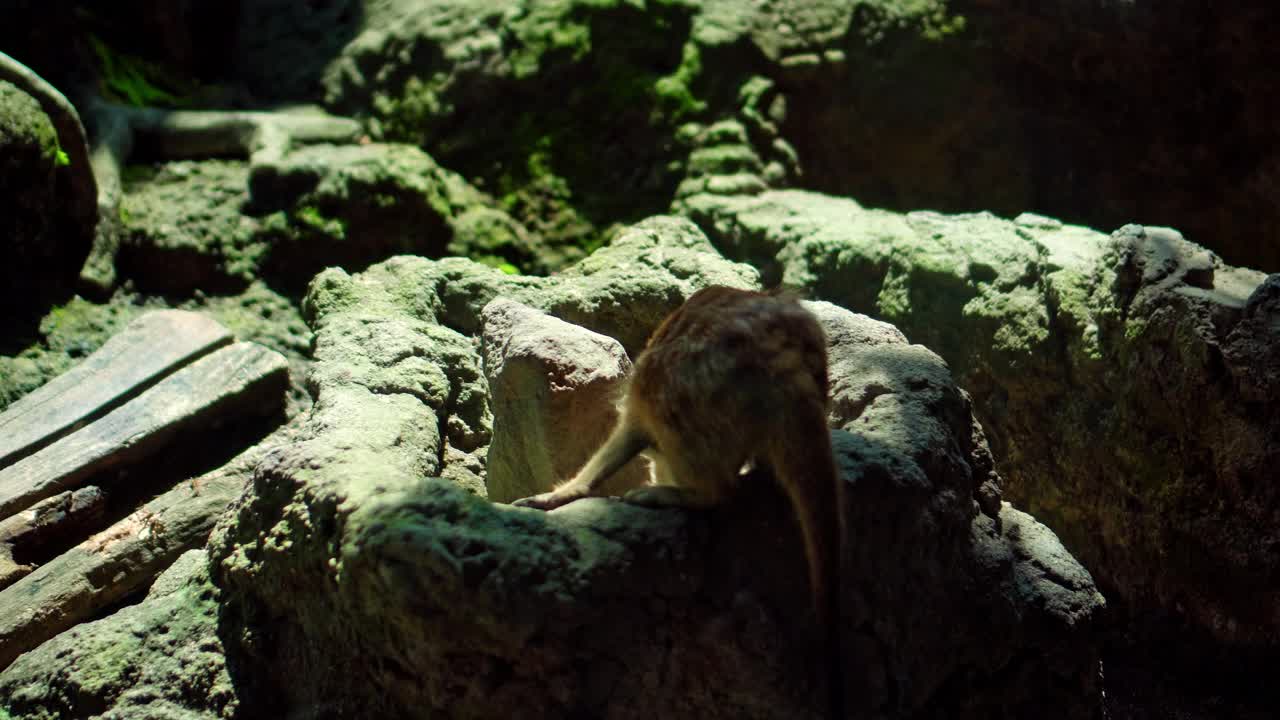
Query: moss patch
x,y
136,81
597,89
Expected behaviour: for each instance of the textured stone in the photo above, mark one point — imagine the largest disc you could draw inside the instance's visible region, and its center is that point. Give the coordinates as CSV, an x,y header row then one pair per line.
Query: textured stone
x,y
1121,380
553,388
352,541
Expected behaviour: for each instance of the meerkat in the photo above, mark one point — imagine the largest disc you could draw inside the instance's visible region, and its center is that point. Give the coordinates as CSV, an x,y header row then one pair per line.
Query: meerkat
x,y
733,377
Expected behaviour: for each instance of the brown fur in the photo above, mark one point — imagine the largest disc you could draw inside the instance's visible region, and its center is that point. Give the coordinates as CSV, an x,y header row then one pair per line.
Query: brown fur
x,y
731,377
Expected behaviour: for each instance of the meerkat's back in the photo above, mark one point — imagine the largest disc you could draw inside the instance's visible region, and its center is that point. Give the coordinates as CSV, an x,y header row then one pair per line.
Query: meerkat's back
x,y
728,375
734,376
731,377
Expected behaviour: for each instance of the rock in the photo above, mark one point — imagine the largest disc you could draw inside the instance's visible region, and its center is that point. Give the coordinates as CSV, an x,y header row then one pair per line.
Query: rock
x,y
354,555
1154,260
348,206
41,257
354,205
398,382
605,151
50,197
490,236
214,226
553,387
183,230
1252,349
725,161
1121,380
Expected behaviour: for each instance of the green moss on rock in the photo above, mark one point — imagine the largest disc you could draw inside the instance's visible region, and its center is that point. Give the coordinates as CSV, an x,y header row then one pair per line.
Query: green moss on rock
x,y
24,124
590,95
185,229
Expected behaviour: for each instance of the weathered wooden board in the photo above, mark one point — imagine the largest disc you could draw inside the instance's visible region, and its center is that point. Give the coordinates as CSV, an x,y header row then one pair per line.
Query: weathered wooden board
x,y
120,560
243,377
65,515
150,348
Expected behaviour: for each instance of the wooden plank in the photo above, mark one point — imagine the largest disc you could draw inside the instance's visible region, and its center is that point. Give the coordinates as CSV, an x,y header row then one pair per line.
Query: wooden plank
x,y
241,377
147,350
64,516
118,561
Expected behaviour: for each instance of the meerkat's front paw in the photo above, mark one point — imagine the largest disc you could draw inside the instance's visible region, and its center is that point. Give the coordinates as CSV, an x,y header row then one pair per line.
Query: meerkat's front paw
x,y
548,500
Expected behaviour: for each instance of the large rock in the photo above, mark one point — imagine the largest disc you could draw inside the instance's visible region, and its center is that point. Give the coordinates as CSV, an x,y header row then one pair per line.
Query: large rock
x,y
351,206
362,573
553,387
51,223
184,230
1121,379
214,226
40,247
469,83
1097,114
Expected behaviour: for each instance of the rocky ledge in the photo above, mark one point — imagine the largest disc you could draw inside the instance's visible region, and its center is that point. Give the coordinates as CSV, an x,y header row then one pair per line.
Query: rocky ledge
x,y
366,570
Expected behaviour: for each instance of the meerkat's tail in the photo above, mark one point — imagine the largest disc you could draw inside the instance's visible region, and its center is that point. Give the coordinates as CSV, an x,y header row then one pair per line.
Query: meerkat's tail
x,y
808,475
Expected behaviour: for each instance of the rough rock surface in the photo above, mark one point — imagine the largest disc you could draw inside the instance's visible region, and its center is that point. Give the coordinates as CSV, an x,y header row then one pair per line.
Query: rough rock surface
x,y
350,206
470,82
553,387
160,658
46,246
359,576
213,226
40,259
1121,379
1100,115
184,229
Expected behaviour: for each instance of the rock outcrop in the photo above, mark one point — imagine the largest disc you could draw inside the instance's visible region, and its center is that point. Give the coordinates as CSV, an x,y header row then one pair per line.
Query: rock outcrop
x,y
364,571
47,203
1122,381
555,385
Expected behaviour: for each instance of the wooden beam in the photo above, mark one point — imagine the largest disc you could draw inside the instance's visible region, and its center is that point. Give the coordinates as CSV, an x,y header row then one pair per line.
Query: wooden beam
x,y
59,518
118,561
243,377
147,350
